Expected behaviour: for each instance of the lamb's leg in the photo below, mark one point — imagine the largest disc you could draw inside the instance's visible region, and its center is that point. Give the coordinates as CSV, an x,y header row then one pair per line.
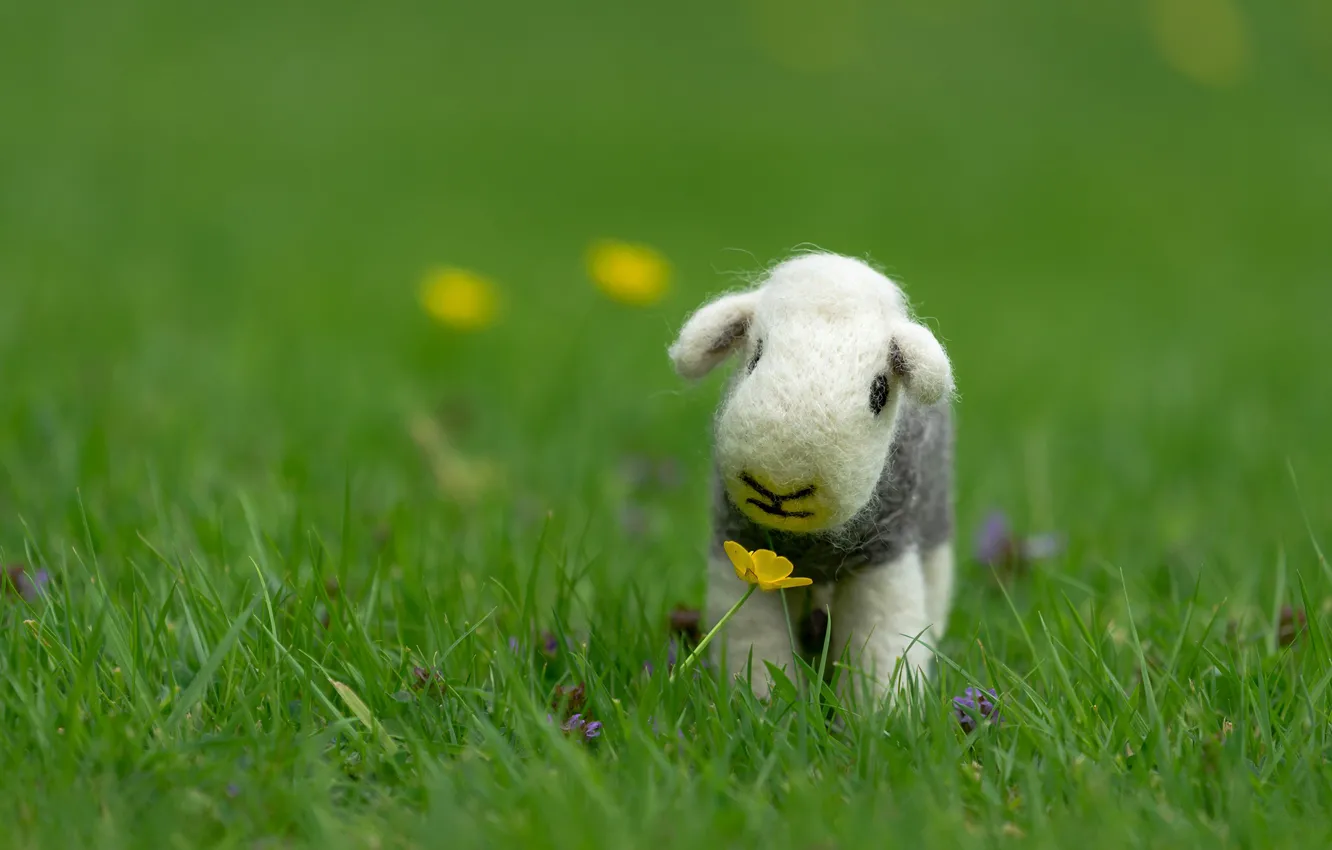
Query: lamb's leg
x,y
880,616
938,564
759,626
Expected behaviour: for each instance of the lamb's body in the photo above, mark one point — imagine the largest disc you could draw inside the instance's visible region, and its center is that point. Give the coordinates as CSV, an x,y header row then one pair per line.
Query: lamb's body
x,y
833,447
885,578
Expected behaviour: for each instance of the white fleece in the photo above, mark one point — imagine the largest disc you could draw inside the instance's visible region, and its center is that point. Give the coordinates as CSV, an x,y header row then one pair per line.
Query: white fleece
x,y
828,351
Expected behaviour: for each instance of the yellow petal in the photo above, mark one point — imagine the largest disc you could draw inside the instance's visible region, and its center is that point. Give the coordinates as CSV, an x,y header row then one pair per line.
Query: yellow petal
x,y
763,559
782,583
770,567
741,560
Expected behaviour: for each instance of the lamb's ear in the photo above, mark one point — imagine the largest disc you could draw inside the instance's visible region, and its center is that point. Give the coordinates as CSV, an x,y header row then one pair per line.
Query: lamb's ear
x,y
920,363
712,333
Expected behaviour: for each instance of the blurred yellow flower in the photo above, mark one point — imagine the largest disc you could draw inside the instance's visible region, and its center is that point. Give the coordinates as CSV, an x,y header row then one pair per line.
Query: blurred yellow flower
x,y
1206,40
631,274
460,298
762,567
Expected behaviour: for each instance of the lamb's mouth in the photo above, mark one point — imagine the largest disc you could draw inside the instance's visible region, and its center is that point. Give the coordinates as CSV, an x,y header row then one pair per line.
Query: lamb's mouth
x,y
775,499
772,501
778,511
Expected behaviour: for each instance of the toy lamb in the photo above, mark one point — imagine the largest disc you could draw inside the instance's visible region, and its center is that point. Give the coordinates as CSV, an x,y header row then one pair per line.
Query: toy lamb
x,y
833,447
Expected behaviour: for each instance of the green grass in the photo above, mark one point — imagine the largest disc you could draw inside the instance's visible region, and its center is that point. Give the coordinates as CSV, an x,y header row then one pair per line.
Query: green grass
x,y
212,222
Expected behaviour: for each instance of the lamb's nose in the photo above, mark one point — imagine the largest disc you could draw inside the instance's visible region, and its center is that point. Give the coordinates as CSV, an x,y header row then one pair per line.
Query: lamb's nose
x,y
807,490
794,506
752,483
770,494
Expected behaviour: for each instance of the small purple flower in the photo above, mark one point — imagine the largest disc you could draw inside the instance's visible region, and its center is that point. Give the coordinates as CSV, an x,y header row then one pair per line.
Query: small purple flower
x,y
514,645
997,547
994,540
40,581
29,585
973,702
233,790
550,645
579,725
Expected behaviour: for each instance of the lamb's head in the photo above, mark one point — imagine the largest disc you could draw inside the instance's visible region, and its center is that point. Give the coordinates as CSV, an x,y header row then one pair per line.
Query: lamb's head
x,y
830,356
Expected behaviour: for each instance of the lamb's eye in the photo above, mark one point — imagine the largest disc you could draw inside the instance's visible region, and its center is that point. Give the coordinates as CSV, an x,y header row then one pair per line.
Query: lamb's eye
x,y
878,394
758,352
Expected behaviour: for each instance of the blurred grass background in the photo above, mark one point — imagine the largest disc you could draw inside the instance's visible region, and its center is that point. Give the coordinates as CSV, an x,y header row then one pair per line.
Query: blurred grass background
x,y
214,219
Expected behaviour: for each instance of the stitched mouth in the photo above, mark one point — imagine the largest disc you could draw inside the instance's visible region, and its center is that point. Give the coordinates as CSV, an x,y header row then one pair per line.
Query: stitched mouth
x,y
775,498
777,510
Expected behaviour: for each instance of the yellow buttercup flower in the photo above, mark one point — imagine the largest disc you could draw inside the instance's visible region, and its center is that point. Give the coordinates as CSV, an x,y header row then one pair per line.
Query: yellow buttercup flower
x,y
460,298
763,570
763,567
631,274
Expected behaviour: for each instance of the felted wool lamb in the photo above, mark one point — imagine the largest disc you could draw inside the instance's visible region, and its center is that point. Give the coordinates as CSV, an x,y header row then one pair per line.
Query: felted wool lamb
x,y
833,447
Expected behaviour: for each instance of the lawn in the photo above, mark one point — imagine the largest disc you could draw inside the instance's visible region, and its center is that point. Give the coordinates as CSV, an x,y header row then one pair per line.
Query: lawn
x,y
293,564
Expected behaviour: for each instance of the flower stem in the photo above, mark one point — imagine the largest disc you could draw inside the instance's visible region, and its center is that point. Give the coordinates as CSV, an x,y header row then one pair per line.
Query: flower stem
x,y
707,639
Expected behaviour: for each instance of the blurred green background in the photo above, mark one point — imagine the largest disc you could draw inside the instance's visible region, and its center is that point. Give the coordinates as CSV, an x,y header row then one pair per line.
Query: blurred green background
x,y
214,219
214,364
